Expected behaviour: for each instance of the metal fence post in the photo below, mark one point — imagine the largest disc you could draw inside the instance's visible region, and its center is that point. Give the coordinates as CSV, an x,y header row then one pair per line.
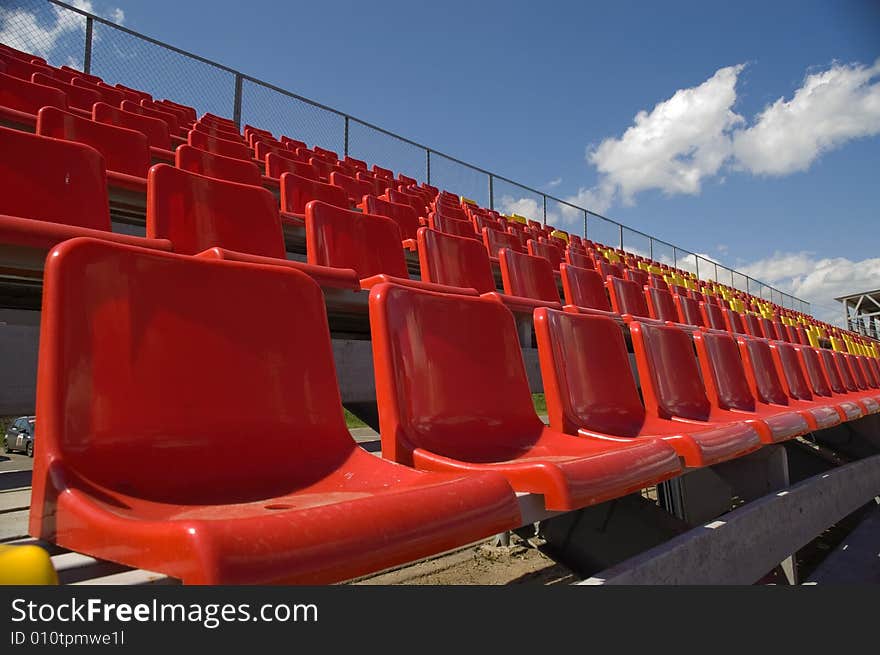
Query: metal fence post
x,y
585,223
674,257
545,209
651,247
236,107
491,193
87,55
697,265
620,235
346,136
428,163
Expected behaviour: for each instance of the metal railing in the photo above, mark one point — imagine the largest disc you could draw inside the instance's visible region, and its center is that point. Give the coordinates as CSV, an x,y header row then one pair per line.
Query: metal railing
x,y
116,53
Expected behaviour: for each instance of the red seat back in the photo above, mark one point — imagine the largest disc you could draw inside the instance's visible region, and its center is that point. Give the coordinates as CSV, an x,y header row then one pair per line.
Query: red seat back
x,y
365,243
548,251
660,304
298,191
404,215
27,97
527,276
627,297
218,146
587,377
173,367
205,163
154,129
449,376
196,212
723,371
125,151
583,287
689,311
77,96
355,189
51,180
661,350
454,261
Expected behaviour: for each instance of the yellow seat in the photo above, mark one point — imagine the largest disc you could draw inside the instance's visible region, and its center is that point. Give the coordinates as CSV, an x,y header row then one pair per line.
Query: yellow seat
x,y
26,565
469,201
516,218
559,234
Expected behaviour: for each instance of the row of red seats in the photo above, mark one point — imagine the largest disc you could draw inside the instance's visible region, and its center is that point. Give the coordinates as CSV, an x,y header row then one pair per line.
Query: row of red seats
x,y
182,376
221,151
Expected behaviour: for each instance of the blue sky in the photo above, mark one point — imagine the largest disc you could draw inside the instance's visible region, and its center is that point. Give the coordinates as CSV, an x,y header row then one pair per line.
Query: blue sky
x,y
548,94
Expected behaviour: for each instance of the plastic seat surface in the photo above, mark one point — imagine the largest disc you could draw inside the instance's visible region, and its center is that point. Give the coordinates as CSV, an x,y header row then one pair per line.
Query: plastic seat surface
x,y
454,261
20,100
825,385
776,378
298,191
672,385
219,146
126,152
453,395
583,287
405,216
179,380
528,281
728,389
52,190
590,390
224,220
209,164
154,129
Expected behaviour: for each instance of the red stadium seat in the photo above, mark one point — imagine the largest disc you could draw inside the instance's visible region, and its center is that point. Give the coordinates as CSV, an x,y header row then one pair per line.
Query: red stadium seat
x,y
404,215
495,240
728,389
689,311
297,192
108,94
636,275
278,163
20,101
22,69
672,388
713,317
583,288
191,159
548,251
660,305
214,218
733,320
471,410
78,98
591,392
529,280
154,129
769,381
578,258
218,146
454,261
457,228
52,190
627,298
355,189
385,173
126,152
180,377
369,245
821,384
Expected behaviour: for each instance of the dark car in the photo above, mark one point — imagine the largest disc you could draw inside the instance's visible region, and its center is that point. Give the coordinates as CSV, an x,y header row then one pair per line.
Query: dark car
x,y
20,436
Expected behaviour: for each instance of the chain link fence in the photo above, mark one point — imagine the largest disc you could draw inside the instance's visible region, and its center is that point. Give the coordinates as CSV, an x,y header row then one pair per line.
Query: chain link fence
x,y
65,35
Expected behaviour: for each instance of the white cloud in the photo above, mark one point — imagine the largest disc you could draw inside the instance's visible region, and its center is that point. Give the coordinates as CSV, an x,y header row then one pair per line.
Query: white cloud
x,y
817,280
552,184
25,30
528,207
695,135
681,141
829,109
